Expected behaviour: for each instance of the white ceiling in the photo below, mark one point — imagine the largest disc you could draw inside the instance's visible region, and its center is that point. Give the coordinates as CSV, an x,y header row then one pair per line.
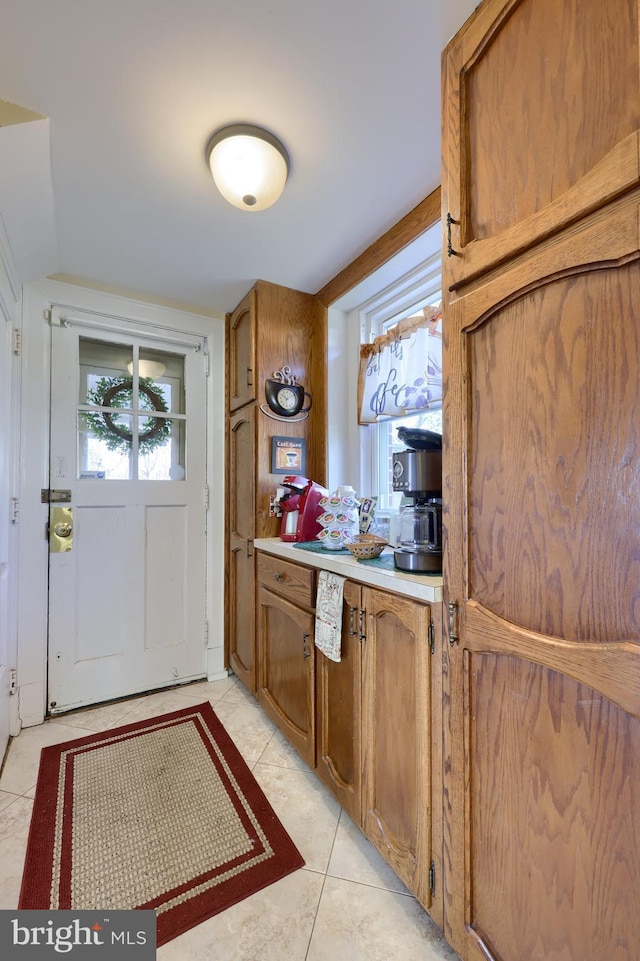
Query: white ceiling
x,y
135,88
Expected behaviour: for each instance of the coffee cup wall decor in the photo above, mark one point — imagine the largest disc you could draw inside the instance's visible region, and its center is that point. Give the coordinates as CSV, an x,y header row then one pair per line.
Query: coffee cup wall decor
x,y
285,397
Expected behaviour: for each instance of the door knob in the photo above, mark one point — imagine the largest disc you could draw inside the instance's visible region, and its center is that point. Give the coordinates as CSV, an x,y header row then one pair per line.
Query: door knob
x,y
63,529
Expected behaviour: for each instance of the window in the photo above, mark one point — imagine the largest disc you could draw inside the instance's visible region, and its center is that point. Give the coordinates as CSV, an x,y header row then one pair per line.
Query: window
x,y
403,299
403,285
131,413
387,442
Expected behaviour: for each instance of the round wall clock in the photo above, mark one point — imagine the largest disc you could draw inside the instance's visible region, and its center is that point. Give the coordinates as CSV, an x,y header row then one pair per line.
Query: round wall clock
x,y
287,400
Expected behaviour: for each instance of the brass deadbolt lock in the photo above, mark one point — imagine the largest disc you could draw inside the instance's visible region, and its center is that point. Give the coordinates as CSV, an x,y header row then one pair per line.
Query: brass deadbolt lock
x,y
60,530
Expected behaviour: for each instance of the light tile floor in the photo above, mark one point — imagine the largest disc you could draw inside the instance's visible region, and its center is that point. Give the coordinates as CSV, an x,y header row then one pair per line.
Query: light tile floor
x,y
345,904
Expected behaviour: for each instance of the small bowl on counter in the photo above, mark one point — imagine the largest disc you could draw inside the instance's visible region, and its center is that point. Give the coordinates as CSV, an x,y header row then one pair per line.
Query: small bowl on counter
x,y
366,546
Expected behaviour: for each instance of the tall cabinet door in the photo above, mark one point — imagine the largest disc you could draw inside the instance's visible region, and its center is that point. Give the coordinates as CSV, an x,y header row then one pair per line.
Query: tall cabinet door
x,y
241,527
542,515
338,695
242,353
396,739
541,124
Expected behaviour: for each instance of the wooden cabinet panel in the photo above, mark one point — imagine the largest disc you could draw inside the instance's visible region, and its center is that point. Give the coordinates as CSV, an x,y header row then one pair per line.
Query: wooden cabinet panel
x,y
553,814
287,669
550,409
242,373
241,580
242,650
524,154
295,582
396,739
241,494
338,695
568,443
541,687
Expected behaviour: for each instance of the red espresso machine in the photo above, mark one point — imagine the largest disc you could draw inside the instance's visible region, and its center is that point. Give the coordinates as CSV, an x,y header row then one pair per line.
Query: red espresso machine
x,y
301,509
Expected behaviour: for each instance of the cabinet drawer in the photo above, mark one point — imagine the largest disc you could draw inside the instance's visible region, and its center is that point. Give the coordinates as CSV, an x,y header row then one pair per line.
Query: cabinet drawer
x,y
293,581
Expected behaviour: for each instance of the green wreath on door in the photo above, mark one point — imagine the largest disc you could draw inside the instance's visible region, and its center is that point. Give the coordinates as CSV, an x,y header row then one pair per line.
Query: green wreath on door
x,y
117,392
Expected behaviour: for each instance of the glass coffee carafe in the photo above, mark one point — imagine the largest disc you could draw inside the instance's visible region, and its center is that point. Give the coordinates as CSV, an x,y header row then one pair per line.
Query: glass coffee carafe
x,y
420,546
419,528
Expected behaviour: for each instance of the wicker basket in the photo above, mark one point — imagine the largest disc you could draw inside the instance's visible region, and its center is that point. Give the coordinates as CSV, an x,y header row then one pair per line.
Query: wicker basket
x,y
365,546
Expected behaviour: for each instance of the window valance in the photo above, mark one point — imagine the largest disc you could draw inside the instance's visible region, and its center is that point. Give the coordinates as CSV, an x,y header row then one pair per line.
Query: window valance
x,y
401,371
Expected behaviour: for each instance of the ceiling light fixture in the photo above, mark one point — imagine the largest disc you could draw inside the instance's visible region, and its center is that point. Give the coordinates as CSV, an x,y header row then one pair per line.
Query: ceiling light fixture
x,y
249,165
148,368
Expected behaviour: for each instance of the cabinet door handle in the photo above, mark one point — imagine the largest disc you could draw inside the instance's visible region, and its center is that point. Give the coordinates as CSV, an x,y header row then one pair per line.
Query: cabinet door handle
x,y
453,637
352,621
450,251
362,634
305,650
249,377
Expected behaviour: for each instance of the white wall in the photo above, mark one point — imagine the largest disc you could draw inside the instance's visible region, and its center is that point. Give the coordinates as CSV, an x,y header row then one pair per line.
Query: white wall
x,y
28,250
26,198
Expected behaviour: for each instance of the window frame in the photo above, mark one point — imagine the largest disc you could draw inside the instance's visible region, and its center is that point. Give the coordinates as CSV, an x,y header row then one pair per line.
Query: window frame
x,y
419,287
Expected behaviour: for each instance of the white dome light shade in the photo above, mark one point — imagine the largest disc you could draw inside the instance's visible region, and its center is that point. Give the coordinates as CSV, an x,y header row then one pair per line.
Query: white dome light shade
x,y
249,166
148,368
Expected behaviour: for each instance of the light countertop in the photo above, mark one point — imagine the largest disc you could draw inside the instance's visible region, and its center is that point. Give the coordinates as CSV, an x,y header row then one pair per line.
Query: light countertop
x,y
421,587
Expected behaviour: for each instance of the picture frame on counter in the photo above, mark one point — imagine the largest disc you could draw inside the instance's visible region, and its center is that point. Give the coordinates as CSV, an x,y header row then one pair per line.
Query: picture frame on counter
x,y
288,455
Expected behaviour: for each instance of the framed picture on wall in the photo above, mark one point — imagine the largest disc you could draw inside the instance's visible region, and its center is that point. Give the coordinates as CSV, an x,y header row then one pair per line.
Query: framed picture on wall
x,y
288,455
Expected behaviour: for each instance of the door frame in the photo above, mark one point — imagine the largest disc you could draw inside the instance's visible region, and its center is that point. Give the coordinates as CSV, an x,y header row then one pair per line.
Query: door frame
x,y
38,299
10,326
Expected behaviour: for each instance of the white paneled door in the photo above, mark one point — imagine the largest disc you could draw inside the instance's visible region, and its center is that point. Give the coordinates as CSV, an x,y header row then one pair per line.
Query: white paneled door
x,y
127,518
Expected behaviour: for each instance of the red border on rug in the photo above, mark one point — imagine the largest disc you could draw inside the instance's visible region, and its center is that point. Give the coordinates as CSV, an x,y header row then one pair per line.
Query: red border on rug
x,y
38,880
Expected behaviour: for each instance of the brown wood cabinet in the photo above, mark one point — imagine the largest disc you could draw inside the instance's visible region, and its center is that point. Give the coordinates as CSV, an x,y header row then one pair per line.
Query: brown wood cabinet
x,y
286,674
242,373
396,673
338,709
241,562
541,460
372,716
272,327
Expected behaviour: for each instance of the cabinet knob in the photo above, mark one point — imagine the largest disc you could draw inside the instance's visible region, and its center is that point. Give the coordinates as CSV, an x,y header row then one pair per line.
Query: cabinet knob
x,y
279,576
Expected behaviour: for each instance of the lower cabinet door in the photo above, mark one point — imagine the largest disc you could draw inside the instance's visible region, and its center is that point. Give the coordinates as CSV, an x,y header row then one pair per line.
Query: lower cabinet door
x,y
396,743
241,629
338,761
286,669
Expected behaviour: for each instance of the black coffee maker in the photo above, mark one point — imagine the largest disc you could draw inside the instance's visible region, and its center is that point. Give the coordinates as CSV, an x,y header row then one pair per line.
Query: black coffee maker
x,y
417,473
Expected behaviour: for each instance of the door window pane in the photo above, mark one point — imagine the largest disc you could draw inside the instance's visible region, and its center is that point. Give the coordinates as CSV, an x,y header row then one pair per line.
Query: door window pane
x,y
100,458
102,362
135,382
165,372
166,461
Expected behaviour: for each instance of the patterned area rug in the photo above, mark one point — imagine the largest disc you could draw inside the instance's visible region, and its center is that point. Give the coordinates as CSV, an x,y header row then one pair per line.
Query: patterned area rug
x,y
162,814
